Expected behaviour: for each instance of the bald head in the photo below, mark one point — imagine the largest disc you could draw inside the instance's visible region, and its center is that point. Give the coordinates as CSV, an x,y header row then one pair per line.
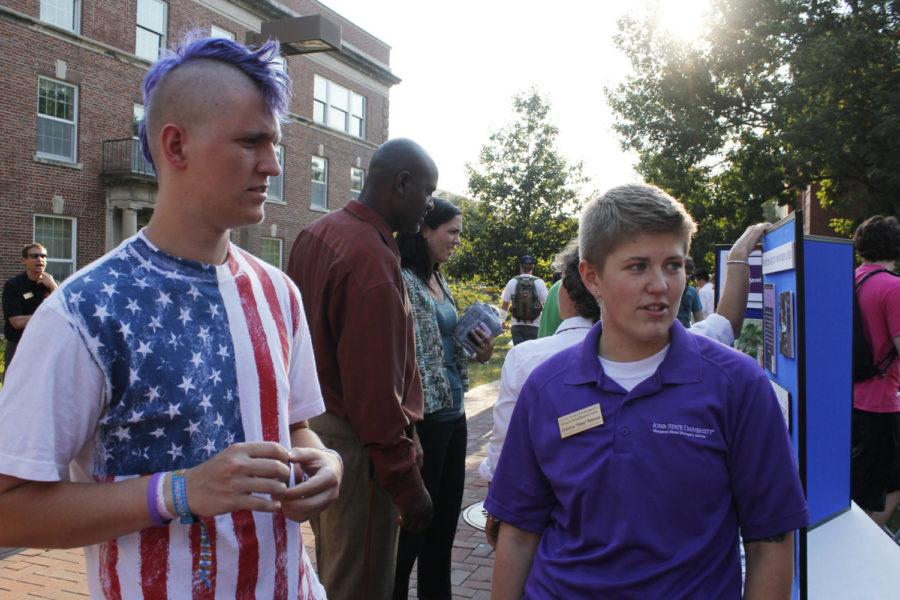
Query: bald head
x,y
402,177
397,155
190,96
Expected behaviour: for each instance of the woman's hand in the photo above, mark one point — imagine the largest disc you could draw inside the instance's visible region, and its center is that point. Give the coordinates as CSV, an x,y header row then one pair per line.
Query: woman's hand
x,y
484,344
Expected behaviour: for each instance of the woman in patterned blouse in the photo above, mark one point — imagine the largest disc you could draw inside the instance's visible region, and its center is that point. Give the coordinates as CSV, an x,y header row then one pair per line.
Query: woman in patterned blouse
x,y
442,365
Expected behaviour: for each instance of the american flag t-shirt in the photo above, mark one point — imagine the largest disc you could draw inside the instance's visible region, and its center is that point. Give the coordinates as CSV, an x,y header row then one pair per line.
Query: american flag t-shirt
x,y
195,358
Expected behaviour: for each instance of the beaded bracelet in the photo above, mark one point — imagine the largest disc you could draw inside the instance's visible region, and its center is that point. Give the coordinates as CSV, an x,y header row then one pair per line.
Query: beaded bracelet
x,y
179,498
152,497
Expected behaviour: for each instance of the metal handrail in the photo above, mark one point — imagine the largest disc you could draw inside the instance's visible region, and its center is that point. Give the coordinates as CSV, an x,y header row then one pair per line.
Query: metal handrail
x,y
124,157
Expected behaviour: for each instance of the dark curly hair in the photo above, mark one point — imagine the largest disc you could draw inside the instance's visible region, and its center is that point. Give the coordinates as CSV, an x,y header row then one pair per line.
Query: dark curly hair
x,y
566,262
878,238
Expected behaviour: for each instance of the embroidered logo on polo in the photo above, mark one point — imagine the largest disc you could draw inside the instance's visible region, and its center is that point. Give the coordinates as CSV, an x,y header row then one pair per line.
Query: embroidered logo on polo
x,y
682,429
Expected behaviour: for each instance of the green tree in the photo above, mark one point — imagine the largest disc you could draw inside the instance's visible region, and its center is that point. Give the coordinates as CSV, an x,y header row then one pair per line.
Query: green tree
x,y
525,193
775,95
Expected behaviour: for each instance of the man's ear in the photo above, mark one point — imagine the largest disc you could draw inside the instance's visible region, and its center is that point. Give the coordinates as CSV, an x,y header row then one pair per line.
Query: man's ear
x,y
590,276
172,139
401,182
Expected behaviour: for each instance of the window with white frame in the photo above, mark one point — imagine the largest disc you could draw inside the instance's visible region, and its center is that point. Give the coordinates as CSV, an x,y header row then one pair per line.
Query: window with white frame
x,y
357,178
137,115
319,182
337,107
62,13
218,32
58,236
57,122
276,184
270,250
150,35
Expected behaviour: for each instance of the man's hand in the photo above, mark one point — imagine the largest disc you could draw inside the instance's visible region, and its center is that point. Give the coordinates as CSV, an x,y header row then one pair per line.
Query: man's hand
x,y
46,279
748,241
492,530
228,481
417,448
417,516
308,498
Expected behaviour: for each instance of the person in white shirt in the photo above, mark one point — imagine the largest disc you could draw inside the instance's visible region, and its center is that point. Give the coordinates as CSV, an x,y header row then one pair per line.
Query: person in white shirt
x,y
523,329
706,291
579,311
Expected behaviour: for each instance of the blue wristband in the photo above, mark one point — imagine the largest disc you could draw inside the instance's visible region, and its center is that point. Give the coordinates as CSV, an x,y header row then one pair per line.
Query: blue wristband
x,y
179,498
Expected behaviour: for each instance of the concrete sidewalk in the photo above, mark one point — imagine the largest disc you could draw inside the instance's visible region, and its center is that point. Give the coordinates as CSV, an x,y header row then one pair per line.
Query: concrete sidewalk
x,y
59,574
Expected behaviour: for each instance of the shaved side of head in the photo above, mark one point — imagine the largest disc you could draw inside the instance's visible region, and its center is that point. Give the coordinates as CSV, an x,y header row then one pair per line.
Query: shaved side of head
x,y
188,96
168,93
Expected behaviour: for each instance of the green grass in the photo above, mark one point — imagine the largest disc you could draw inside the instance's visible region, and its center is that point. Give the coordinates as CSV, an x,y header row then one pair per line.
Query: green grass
x,y
480,374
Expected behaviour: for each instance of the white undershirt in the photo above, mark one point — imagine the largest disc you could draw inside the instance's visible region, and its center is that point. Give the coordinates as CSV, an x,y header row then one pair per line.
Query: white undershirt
x,y
629,374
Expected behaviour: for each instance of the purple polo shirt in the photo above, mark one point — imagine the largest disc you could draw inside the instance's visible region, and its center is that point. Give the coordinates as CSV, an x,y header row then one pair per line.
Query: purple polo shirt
x,y
649,504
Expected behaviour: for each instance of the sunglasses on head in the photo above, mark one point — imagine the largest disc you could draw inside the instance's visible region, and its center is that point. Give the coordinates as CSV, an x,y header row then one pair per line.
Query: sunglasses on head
x,y
36,255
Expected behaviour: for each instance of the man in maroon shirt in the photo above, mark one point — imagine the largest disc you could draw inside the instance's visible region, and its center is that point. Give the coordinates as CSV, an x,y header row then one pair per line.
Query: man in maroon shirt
x,y
347,266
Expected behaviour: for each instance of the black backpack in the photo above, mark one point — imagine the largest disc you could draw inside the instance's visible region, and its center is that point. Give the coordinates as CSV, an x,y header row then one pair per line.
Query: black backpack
x,y
864,364
525,303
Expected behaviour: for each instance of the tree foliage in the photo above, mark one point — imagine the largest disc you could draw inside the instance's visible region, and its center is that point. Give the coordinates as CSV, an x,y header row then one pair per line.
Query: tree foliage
x,y
525,193
776,95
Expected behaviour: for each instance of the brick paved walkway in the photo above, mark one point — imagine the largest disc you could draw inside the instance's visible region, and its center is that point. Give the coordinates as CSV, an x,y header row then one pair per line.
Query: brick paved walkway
x,y
59,574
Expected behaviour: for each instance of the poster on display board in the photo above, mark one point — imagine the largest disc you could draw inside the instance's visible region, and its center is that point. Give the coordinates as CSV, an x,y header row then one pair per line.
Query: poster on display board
x,y
754,296
786,324
769,328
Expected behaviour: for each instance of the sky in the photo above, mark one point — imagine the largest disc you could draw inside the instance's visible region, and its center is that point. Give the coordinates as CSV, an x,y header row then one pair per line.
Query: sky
x,y
462,62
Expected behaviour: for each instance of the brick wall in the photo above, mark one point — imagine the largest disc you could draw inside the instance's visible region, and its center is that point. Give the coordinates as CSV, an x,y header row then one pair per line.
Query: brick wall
x,y
108,85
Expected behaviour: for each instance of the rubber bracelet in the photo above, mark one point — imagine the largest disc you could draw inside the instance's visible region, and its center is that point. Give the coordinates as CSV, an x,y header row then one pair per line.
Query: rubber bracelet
x,y
152,509
161,500
179,498
737,261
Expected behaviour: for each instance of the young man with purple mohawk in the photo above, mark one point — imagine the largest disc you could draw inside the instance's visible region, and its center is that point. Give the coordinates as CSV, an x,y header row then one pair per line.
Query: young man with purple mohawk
x,y
167,433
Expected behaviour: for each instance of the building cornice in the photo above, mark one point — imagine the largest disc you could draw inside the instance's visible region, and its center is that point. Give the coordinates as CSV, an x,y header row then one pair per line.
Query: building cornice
x,y
348,53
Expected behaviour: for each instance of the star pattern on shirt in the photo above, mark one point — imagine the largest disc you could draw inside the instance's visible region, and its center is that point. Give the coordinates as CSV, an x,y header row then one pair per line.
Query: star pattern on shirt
x,y
158,334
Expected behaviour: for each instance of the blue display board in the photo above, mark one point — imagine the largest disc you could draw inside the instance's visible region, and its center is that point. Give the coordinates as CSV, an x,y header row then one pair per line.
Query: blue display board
x,y
786,374
828,287
807,333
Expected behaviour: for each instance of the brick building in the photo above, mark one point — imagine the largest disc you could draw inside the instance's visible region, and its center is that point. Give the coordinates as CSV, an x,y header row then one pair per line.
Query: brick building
x,y
71,172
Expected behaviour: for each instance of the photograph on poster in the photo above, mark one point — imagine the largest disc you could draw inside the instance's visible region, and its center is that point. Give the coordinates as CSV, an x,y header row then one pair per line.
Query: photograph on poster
x,y
769,327
784,400
786,323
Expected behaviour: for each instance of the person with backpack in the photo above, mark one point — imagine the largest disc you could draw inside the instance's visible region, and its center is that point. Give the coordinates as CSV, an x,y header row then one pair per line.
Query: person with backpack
x,y
875,455
524,297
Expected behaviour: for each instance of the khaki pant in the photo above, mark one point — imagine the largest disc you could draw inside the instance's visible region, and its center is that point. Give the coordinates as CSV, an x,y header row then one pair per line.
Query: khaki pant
x,y
356,537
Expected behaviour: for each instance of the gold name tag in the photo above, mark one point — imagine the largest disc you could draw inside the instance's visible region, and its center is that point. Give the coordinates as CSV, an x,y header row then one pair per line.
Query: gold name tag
x,y
580,420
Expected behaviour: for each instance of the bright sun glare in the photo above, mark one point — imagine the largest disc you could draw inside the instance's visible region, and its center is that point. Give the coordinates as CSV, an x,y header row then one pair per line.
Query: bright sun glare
x,y
682,19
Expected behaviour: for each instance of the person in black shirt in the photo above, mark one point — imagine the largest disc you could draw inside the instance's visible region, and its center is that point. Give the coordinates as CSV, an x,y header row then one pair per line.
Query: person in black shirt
x,y
23,294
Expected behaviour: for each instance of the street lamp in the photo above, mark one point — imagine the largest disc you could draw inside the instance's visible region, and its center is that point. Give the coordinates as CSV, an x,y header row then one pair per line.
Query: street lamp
x,y
300,35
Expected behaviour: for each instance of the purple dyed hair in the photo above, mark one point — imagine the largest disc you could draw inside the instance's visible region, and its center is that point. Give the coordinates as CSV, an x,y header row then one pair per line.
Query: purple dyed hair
x,y
258,65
